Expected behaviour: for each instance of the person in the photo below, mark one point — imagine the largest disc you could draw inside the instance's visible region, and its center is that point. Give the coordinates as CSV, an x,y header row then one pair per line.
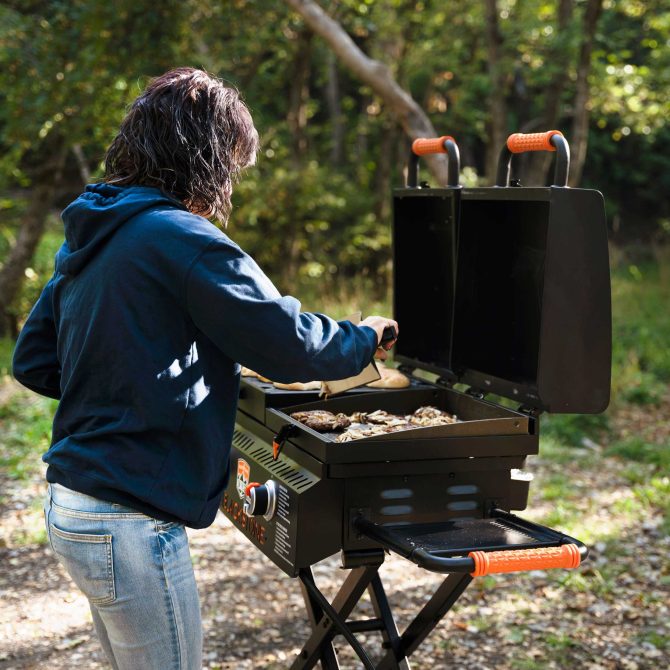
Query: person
x,y
140,334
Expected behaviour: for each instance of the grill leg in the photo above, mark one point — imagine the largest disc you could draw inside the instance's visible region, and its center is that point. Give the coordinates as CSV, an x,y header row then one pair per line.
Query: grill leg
x,y
335,616
382,610
328,656
425,621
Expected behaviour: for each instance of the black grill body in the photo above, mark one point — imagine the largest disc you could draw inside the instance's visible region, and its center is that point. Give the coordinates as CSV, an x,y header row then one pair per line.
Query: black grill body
x,y
454,472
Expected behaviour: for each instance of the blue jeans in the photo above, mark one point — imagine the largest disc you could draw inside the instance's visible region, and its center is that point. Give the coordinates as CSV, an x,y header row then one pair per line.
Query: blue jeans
x,y
137,575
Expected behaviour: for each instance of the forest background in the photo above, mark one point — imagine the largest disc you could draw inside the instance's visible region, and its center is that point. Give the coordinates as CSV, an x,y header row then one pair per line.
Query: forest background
x,y
337,103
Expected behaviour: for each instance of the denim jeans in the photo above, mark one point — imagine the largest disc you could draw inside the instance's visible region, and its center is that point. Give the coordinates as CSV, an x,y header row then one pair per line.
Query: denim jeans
x,y
137,575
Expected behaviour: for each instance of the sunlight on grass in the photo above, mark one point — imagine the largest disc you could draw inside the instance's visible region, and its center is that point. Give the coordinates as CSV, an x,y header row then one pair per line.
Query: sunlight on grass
x,y
25,425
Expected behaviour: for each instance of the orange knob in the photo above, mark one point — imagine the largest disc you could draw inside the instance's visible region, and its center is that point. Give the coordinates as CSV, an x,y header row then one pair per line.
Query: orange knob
x,y
249,486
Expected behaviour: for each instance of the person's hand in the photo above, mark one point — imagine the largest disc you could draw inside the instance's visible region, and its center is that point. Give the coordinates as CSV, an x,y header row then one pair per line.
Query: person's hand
x,y
378,324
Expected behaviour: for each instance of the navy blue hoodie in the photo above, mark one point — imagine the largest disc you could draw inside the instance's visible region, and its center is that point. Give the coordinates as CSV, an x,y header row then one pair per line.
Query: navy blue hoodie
x,y
140,333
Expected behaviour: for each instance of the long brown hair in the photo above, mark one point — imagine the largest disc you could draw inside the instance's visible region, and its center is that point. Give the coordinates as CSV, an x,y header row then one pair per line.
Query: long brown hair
x,y
188,134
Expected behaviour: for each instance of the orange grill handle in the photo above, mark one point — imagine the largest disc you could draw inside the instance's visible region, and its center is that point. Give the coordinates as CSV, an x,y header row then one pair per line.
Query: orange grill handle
x,y
432,145
565,556
518,143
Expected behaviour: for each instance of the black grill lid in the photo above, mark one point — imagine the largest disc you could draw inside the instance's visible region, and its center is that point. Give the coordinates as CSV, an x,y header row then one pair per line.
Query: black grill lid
x,y
508,290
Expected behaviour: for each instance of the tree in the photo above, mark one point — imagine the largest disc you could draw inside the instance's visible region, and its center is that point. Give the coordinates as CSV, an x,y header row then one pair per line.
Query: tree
x,y
66,74
412,118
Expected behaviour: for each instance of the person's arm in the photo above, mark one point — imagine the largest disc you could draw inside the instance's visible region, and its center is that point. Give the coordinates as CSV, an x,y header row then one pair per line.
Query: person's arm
x,y
237,307
35,363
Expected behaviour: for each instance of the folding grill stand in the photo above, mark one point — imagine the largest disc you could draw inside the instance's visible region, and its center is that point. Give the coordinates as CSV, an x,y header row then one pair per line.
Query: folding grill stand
x,y
329,619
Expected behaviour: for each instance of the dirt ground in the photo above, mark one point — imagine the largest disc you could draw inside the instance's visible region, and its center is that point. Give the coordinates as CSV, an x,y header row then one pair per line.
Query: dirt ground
x,y
611,614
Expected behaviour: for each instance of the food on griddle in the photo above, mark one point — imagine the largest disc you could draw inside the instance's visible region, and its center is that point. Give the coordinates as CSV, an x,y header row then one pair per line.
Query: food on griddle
x,y
384,418
246,372
298,386
390,379
364,424
431,416
321,420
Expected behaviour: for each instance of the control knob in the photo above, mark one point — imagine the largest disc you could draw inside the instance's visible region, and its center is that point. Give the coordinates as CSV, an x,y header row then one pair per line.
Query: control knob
x,y
261,499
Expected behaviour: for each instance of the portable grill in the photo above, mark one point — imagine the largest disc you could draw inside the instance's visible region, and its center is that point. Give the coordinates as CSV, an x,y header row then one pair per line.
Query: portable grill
x,y
500,292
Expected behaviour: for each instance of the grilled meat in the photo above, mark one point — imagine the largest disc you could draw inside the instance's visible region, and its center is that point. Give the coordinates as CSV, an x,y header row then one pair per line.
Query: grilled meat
x,y
321,420
362,424
431,416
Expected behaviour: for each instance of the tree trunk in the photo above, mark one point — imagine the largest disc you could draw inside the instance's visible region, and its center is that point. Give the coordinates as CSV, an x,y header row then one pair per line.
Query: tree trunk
x,y
580,122
82,164
30,232
335,111
384,172
296,119
538,165
399,102
497,104
298,96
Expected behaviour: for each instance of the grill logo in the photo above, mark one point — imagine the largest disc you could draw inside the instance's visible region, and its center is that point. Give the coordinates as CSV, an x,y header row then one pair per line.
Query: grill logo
x,y
243,471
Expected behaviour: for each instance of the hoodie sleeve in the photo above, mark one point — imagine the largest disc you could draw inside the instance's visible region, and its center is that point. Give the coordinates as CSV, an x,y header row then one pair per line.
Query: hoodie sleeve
x,y
237,307
35,362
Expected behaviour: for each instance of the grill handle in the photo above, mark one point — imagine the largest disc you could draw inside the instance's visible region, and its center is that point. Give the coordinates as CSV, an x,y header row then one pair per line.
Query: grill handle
x,y
434,145
480,563
551,140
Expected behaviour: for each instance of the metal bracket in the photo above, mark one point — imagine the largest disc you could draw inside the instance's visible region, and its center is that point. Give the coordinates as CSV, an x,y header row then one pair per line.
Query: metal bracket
x,y
475,393
530,411
406,369
446,382
357,559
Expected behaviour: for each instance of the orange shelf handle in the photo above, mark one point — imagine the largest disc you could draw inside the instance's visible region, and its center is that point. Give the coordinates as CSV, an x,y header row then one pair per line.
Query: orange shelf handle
x,y
486,563
519,143
430,145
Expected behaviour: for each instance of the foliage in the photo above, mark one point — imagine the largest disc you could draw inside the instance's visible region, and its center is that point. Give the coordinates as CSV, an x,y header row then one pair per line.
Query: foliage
x,y
69,68
25,421
316,207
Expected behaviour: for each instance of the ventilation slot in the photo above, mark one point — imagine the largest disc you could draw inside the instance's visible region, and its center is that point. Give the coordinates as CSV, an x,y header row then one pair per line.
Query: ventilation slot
x,y
283,470
242,441
462,505
396,494
463,490
396,510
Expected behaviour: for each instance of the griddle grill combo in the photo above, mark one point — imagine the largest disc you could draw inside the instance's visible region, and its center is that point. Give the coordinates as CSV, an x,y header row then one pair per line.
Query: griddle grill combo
x,y
502,293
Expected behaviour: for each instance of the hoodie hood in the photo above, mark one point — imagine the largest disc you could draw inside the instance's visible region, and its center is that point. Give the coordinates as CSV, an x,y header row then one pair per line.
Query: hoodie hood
x,y
96,215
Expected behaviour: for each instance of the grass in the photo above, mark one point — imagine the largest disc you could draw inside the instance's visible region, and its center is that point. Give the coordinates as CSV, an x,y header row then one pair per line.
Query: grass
x,y
25,425
636,448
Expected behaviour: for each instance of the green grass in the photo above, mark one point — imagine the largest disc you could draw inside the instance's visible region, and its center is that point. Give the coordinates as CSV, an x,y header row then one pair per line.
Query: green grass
x,y
25,426
641,332
637,449
659,640
6,349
